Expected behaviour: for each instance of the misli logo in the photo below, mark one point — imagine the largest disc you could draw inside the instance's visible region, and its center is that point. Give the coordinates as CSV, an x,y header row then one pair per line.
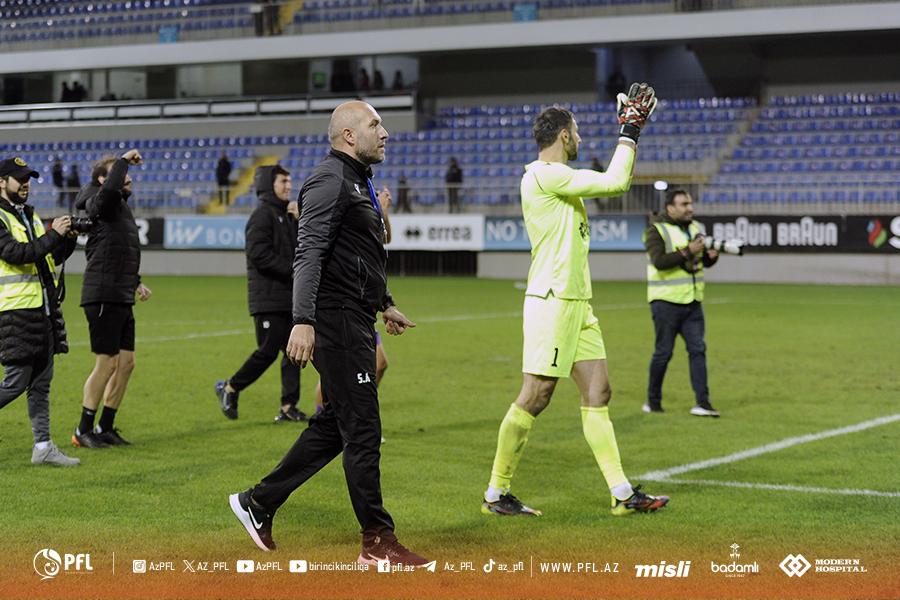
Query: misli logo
x,y
795,566
680,569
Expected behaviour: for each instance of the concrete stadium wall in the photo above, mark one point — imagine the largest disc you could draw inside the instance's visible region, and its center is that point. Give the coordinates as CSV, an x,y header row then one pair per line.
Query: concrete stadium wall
x,y
173,262
503,77
839,269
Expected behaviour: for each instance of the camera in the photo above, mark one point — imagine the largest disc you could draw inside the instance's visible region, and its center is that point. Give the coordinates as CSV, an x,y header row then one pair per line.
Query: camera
x,y
82,224
735,247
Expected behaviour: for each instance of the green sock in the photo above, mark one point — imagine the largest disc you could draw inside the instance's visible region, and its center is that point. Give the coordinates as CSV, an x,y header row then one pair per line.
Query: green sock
x,y
510,445
600,436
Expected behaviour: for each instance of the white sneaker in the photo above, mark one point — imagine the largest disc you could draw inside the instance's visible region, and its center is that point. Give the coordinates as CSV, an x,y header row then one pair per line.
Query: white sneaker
x,y
704,411
51,455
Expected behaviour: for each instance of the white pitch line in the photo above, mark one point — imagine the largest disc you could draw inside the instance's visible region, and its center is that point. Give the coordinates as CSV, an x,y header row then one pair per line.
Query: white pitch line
x,y
179,338
440,319
767,448
779,487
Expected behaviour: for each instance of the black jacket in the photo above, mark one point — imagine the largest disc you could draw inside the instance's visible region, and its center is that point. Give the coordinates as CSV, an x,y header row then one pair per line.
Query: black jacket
x,y
223,172
271,237
340,260
24,332
656,250
113,248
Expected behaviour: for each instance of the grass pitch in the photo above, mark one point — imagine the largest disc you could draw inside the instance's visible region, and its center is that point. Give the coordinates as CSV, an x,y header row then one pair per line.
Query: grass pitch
x,y
783,361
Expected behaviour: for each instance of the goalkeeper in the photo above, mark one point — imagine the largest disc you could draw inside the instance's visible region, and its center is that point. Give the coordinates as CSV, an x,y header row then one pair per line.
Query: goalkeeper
x,y
562,335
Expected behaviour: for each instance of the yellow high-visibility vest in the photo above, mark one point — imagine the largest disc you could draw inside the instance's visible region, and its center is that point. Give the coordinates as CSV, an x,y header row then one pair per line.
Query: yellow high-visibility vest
x,y
675,285
20,285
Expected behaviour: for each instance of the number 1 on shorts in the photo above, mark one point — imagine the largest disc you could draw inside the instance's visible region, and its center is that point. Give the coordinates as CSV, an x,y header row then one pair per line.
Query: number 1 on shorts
x,y
555,356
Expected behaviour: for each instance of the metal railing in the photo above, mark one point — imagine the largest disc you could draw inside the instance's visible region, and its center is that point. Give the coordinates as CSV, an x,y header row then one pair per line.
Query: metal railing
x,y
271,106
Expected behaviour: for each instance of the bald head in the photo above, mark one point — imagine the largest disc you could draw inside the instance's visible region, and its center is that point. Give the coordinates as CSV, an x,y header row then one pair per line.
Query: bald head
x,y
355,129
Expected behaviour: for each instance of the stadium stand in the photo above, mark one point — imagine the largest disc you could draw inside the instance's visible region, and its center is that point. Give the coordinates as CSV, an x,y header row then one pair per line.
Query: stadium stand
x,y
491,142
78,23
73,22
795,152
815,149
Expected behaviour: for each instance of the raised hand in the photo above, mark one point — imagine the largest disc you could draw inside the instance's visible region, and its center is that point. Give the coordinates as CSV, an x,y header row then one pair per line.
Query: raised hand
x,y
634,109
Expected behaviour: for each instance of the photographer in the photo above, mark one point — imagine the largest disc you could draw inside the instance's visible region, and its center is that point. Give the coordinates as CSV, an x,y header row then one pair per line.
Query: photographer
x,y
32,329
677,257
111,279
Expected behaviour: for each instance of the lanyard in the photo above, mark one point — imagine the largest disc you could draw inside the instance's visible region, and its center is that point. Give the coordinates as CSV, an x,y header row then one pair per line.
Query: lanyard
x,y
374,198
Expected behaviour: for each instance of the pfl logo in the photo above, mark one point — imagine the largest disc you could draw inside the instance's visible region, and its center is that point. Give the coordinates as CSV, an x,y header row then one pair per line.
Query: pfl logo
x,y
48,563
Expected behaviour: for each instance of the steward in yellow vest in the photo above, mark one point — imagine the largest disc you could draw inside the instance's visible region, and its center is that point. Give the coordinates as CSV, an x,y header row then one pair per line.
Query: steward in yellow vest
x,y
676,259
32,329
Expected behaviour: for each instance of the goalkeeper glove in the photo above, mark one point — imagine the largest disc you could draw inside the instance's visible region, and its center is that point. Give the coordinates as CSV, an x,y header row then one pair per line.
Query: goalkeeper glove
x,y
635,109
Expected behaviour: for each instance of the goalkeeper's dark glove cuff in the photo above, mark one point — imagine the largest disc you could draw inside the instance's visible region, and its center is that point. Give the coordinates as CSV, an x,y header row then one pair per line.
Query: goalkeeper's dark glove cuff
x,y
632,132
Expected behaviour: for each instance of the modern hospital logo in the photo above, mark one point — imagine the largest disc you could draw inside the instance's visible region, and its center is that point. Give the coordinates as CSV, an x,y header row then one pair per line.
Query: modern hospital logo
x,y
48,563
795,566
734,569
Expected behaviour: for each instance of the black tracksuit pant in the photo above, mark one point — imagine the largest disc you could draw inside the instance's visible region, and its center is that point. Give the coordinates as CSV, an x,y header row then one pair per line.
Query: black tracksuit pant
x,y
272,333
350,423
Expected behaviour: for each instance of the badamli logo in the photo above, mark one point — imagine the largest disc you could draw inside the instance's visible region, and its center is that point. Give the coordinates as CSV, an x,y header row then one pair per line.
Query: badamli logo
x,y
734,568
48,563
680,569
795,566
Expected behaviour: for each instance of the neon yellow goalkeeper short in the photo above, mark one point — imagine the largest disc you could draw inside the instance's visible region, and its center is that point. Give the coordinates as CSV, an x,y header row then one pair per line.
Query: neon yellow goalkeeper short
x,y
559,333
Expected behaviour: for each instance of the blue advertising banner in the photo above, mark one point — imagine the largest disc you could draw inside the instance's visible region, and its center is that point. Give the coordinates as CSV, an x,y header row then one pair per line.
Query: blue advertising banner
x,y
608,233
204,233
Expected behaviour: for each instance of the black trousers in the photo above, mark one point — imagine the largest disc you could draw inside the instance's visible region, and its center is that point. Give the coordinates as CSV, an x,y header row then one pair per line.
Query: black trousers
x,y
350,423
272,333
670,320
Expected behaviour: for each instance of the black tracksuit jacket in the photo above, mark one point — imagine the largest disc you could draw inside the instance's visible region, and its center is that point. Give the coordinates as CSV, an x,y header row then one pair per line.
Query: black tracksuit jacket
x,y
340,260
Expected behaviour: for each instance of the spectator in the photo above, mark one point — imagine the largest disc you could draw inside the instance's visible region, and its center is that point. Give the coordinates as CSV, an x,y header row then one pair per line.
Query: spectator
x,y
615,83
364,80
596,166
59,182
256,9
398,81
453,179
79,92
270,17
342,79
73,185
403,195
223,178
378,81
66,95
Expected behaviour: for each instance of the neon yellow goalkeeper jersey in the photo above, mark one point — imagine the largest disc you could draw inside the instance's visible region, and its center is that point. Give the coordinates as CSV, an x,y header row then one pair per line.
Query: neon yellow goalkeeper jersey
x,y
557,221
